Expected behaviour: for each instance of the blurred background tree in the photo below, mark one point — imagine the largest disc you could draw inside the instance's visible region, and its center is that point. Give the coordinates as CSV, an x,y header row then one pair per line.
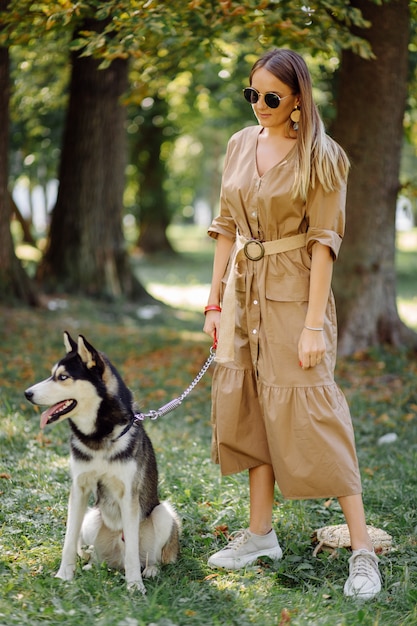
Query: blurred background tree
x,y
177,93
14,282
40,74
369,125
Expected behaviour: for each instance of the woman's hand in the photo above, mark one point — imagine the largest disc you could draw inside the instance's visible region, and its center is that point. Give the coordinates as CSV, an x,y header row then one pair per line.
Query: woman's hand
x,y
212,324
311,348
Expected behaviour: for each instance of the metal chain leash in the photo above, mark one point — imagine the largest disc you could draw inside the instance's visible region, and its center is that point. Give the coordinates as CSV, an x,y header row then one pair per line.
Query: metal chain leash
x,y
174,404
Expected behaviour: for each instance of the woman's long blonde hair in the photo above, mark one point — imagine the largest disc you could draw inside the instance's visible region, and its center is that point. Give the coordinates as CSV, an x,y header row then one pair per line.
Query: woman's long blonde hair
x,y
319,156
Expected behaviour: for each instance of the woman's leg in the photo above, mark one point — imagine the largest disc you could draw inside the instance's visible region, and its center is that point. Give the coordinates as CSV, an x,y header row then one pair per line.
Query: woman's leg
x,y
261,487
352,507
260,540
364,580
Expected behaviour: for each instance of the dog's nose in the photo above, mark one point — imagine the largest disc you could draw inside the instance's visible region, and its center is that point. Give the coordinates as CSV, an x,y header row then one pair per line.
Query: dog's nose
x,y
29,394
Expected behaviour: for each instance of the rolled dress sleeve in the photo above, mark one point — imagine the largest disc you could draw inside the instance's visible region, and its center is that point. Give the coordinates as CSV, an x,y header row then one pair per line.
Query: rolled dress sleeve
x,y
325,214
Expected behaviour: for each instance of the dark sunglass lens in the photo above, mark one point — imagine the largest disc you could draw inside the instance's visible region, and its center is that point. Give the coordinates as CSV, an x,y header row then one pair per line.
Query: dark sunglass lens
x,y
250,95
272,100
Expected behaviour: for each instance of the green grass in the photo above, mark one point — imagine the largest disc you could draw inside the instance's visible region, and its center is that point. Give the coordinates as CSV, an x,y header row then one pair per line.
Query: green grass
x,y
158,358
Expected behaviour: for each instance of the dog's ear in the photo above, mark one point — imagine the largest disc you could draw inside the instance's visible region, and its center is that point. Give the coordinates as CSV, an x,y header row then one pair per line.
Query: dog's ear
x,y
88,354
69,342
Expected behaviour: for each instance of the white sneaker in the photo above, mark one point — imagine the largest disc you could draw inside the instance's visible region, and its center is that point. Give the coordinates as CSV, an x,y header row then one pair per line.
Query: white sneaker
x,y
245,548
364,580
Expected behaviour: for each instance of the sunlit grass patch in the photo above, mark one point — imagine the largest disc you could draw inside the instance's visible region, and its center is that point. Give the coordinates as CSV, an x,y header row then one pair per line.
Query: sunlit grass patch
x,y
406,263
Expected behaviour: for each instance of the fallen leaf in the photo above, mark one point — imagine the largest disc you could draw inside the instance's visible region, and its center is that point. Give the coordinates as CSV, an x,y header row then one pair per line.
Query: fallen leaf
x,y
285,617
383,419
222,529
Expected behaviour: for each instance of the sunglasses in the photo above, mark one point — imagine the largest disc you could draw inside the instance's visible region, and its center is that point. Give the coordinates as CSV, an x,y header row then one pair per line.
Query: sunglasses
x,y
272,100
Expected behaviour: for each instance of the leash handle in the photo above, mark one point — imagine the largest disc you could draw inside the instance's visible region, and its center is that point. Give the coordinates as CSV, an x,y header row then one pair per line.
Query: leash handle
x,y
214,346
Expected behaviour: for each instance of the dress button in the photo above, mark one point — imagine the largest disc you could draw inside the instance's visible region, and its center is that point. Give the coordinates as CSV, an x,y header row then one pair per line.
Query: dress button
x,y
254,332
255,302
254,213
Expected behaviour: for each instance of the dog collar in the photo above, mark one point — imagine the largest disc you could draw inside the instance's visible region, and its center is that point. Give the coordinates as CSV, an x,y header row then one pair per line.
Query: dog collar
x,y
124,431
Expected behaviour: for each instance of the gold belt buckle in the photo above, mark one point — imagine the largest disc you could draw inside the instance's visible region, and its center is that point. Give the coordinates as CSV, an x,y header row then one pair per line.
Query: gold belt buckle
x,y
256,245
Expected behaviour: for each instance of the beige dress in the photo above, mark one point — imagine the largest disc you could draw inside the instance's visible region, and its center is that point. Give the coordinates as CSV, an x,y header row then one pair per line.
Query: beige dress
x,y
265,408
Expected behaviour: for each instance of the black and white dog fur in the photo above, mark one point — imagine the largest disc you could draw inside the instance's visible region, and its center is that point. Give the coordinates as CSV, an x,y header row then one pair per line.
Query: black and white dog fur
x,y
112,458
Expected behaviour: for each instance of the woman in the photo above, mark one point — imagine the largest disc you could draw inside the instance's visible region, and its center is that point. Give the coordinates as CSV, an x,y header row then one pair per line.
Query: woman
x,y
277,410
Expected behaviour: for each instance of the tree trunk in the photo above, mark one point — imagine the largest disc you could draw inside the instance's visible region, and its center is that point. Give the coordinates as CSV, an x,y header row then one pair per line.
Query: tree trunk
x,y
15,285
154,215
86,252
370,109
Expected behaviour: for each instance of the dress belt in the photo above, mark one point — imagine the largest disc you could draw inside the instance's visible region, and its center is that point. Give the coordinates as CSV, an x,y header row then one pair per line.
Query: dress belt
x,y
254,250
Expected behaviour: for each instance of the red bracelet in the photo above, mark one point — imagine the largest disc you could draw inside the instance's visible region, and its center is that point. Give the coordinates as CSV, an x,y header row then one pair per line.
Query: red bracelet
x,y
212,307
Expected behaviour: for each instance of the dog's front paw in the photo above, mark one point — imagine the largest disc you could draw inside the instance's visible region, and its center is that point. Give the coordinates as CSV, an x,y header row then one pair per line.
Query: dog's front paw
x,y
150,571
136,585
65,572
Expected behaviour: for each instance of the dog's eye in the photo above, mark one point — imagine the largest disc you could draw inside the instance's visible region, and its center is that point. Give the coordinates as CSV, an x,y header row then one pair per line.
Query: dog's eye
x,y
63,377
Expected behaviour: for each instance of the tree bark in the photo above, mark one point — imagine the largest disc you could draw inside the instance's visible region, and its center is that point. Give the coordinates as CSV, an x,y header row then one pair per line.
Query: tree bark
x,y
154,214
86,252
370,108
15,285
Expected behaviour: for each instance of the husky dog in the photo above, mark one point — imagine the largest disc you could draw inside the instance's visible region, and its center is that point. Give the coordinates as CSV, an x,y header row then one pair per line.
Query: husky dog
x,y
112,458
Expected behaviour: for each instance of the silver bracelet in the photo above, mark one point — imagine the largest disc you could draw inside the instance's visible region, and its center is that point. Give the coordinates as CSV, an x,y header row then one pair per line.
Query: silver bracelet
x,y
312,328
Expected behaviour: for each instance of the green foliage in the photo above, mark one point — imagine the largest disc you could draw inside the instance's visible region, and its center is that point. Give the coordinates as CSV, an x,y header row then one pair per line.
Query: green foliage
x,y
195,55
39,76
139,28
207,39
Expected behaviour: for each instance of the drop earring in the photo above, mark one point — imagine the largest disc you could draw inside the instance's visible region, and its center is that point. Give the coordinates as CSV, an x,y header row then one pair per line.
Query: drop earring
x,y
295,116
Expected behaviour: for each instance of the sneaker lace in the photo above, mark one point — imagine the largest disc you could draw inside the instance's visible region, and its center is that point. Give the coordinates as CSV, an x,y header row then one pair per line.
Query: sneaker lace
x,y
364,565
240,537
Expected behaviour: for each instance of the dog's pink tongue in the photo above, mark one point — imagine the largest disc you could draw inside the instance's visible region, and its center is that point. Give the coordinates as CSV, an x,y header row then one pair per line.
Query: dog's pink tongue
x,y
49,412
46,415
